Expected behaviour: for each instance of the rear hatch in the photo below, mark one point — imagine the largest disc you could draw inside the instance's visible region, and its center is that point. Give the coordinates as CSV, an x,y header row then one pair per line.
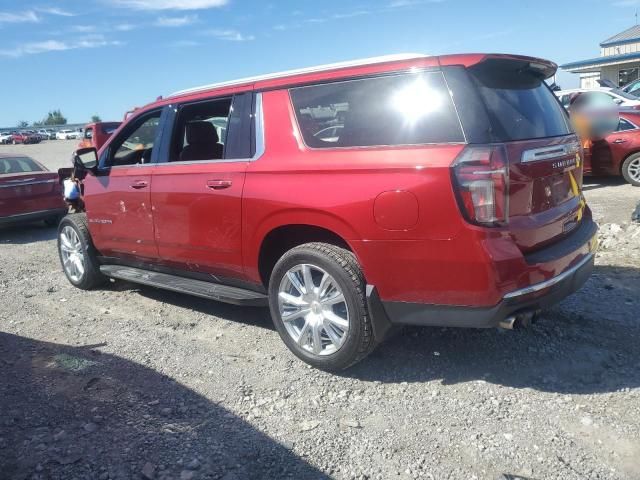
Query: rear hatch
x,y
531,139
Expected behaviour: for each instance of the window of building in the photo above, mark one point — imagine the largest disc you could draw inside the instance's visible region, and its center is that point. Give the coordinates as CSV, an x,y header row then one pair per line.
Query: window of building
x,y
628,75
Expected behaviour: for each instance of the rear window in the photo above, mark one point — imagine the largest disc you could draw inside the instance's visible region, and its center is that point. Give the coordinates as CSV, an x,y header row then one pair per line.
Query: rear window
x,y
407,109
519,103
18,165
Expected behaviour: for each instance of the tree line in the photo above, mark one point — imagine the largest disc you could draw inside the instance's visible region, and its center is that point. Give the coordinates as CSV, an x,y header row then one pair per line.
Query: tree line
x,y
54,117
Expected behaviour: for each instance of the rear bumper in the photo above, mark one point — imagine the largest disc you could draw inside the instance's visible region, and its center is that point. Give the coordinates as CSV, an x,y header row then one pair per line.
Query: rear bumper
x,y
536,296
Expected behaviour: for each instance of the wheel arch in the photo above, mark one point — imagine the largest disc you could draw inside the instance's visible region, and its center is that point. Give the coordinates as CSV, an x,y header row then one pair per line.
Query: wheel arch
x,y
282,238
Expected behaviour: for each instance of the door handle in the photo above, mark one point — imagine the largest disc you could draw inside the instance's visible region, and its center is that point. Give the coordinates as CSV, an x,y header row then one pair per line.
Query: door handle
x,y
139,184
620,140
219,184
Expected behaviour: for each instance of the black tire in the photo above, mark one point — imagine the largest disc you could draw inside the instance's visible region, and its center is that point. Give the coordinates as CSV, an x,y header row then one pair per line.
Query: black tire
x,y
626,169
91,277
342,265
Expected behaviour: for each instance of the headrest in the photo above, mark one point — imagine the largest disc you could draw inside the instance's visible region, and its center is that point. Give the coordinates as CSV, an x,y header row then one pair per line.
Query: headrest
x,y
201,132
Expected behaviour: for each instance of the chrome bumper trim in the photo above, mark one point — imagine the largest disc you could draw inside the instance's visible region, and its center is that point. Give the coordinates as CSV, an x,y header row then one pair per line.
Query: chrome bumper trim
x,y
551,282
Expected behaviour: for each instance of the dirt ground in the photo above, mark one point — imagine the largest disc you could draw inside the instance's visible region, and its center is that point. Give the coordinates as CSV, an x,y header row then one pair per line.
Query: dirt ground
x,y
129,382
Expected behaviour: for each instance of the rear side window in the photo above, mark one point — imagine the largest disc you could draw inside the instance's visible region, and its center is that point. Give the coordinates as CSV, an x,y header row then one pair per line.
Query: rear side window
x,y
625,125
519,103
410,109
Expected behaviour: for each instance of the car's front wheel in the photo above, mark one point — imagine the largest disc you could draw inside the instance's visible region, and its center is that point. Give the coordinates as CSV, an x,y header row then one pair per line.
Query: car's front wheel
x,y
318,305
631,169
77,253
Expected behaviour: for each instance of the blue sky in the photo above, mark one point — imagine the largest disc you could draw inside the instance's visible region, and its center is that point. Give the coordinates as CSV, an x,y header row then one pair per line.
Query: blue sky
x,y
105,56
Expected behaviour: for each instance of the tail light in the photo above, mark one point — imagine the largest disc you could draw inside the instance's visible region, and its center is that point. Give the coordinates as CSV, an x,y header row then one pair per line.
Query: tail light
x,y
481,179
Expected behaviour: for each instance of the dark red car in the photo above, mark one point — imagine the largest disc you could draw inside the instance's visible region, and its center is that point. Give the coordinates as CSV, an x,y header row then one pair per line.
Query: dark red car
x,y
28,191
618,153
448,194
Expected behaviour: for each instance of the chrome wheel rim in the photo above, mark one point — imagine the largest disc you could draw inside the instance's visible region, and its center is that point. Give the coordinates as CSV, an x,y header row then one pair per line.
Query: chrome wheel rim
x,y
313,309
634,169
72,254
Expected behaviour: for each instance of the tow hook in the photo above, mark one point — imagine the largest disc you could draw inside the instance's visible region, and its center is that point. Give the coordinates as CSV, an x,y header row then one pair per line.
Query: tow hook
x,y
519,321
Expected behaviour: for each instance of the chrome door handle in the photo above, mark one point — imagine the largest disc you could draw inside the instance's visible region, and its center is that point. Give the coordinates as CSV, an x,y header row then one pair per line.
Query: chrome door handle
x,y
620,140
139,185
219,184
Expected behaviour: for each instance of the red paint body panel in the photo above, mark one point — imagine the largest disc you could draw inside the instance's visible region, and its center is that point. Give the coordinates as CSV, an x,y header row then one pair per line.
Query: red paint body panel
x,y
197,216
119,215
607,155
426,253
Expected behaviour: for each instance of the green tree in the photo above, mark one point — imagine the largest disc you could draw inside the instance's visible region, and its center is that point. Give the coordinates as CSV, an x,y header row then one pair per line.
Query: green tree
x,y
23,124
55,117
96,118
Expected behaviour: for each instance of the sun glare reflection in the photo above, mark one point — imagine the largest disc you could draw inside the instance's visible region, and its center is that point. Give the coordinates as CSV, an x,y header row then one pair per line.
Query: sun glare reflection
x,y
416,100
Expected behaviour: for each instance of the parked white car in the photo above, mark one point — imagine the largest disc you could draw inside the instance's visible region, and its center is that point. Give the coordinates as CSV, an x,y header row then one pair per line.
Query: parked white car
x,y
67,134
46,134
5,137
624,99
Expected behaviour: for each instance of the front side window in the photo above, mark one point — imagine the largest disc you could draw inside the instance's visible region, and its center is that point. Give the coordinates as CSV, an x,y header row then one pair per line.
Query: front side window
x,y
135,144
409,109
200,131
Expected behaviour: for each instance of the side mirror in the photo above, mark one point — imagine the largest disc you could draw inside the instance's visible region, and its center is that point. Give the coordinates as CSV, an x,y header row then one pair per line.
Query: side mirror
x,y
86,159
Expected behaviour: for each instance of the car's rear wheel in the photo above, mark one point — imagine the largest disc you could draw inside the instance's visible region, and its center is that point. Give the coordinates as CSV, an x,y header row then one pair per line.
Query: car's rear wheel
x,y
631,169
318,305
77,253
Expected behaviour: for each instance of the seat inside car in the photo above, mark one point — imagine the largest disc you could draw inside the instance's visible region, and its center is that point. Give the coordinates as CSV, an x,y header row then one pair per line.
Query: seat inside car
x,y
202,142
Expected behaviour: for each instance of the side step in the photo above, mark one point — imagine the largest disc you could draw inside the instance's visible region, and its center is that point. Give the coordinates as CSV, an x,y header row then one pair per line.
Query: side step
x,y
198,288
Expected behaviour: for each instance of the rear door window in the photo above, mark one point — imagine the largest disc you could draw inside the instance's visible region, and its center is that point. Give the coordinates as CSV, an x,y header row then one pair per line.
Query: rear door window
x,y
519,103
411,109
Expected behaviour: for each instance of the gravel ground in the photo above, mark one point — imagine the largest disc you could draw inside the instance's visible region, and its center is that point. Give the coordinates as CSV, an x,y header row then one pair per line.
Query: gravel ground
x,y
130,382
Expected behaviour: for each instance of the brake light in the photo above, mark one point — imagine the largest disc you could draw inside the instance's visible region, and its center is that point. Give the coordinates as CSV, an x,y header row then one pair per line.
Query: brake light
x,y
481,179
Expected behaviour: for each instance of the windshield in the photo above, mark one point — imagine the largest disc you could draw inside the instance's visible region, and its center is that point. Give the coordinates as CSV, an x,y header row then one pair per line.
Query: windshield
x,y
623,94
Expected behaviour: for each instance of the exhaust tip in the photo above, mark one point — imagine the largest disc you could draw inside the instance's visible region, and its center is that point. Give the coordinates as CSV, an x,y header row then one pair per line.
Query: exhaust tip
x,y
508,323
519,321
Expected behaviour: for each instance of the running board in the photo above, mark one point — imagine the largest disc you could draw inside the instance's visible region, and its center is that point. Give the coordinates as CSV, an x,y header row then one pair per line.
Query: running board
x,y
198,288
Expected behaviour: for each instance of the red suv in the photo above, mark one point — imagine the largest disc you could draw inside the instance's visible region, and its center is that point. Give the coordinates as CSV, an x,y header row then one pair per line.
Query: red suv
x,y
447,193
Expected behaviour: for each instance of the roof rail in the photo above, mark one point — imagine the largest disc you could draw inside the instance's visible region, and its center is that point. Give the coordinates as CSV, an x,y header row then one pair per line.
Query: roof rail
x,y
302,71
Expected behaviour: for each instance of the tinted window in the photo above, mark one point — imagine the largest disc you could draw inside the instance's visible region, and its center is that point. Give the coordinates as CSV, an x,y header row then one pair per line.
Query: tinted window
x,y
18,165
395,110
200,131
519,103
135,144
625,125
108,129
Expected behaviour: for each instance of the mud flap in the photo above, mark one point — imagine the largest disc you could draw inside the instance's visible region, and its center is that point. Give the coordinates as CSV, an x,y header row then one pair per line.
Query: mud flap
x,y
379,319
